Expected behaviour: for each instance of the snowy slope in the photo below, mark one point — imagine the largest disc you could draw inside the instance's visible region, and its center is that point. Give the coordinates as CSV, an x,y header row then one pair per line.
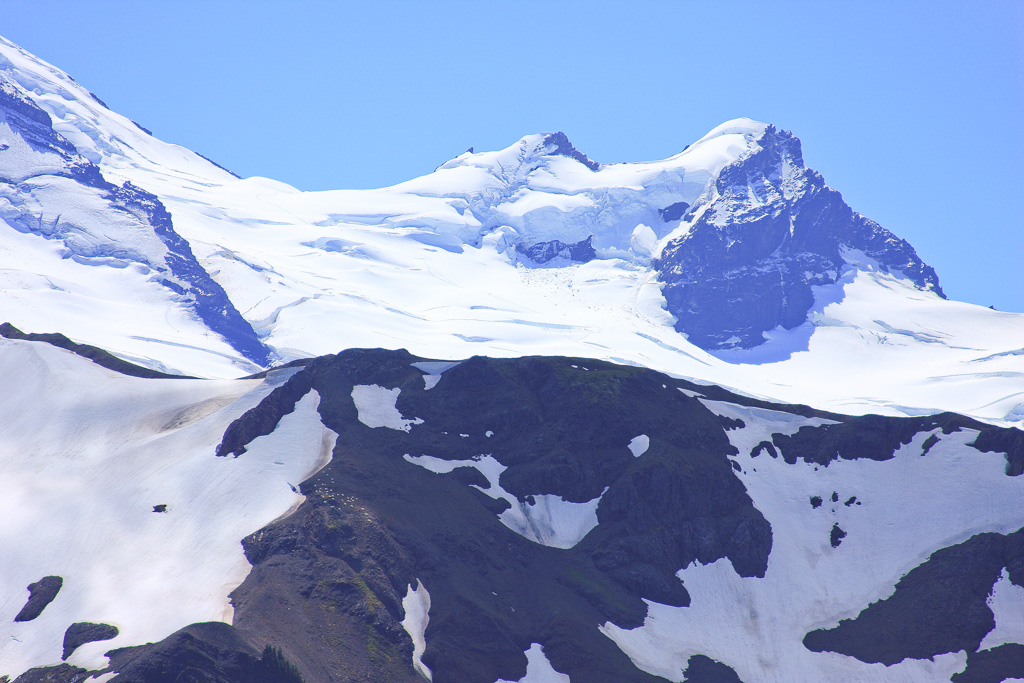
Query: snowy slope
x,y
87,455
100,246
455,263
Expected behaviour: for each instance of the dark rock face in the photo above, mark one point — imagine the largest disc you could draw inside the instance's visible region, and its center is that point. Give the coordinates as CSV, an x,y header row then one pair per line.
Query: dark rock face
x,y
63,673
938,607
40,594
836,536
211,653
562,147
327,582
542,252
673,212
84,632
993,666
746,267
701,669
1009,441
263,419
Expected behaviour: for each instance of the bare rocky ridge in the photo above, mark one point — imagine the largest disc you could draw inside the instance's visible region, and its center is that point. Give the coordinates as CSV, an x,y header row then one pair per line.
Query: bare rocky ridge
x,y
41,594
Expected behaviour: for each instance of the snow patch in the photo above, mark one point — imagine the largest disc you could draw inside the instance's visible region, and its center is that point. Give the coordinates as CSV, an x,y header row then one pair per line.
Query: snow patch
x,y
1007,604
643,241
548,520
433,370
760,423
376,407
639,445
416,604
538,668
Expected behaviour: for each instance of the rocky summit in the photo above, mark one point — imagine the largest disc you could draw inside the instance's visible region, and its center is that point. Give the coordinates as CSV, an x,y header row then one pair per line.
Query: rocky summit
x,y
758,242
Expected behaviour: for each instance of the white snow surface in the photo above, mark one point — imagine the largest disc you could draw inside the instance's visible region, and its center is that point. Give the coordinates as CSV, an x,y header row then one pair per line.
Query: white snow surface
x,y
430,265
538,668
911,506
549,520
86,454
416,604
1007,604
638,445
433,370
376,407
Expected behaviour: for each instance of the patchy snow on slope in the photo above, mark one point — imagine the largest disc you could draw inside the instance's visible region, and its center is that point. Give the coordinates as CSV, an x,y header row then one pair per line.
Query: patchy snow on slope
x,y
376,407
85,457
549,519
911,507
416,604
538,668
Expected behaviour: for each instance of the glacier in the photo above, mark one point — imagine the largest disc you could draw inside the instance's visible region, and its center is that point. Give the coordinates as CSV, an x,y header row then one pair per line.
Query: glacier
x,y
442,265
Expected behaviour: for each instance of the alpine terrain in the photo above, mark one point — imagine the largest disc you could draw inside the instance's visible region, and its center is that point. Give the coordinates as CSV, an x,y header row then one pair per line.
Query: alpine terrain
x,y
529,418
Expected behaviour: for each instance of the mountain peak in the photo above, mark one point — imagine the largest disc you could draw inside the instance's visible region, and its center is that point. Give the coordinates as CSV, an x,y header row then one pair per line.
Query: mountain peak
x,y
563,147
741,126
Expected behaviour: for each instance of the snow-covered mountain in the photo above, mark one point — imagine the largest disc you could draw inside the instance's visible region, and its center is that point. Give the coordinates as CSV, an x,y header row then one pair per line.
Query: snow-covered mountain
x,y
730,262
579,500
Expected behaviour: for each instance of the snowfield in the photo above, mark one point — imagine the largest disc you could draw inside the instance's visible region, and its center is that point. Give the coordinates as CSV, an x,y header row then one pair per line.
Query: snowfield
x,y
87,455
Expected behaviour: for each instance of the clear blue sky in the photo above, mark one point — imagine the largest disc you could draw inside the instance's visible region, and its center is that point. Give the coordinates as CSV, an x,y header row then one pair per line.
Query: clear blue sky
x,y
913,110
